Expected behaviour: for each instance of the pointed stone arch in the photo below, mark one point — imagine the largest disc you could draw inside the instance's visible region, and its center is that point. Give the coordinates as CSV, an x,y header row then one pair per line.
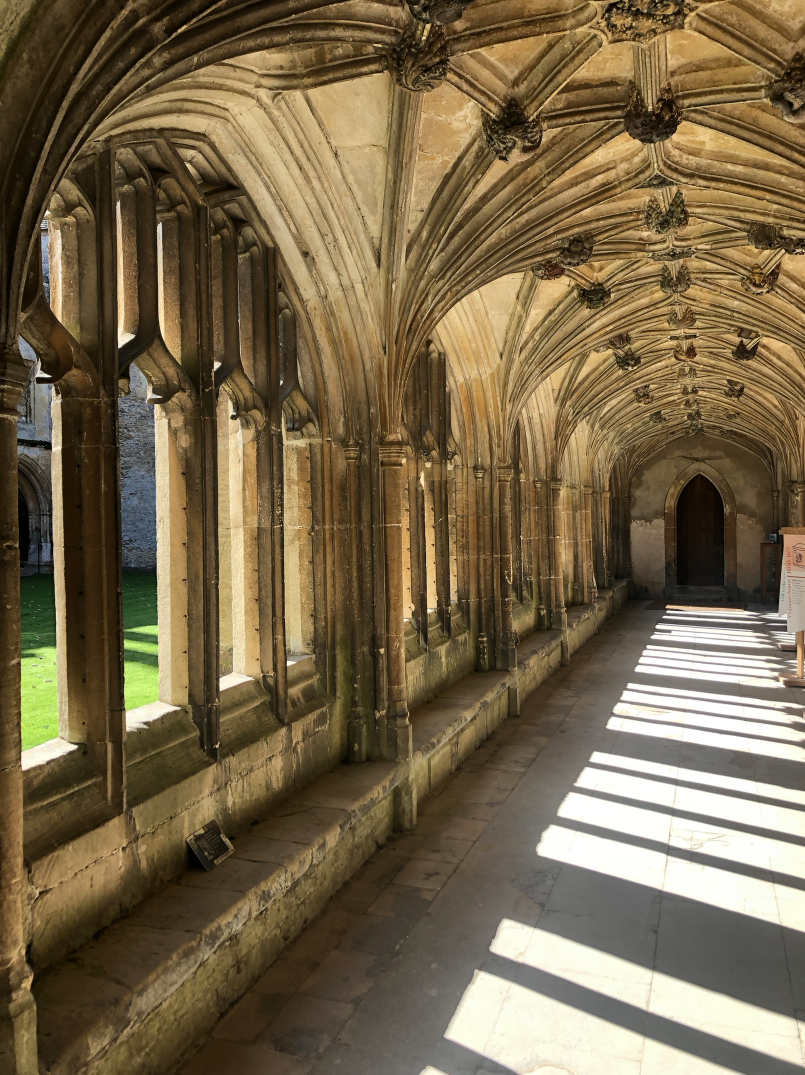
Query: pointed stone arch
x,y
730,527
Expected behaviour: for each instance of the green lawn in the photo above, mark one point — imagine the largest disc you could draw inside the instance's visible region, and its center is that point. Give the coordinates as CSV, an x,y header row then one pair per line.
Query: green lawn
x,y
39,715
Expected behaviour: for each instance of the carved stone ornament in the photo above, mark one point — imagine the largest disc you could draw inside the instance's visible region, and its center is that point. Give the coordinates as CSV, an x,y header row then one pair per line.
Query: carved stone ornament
x,y
548,270
770,237
684,354
746,333
620,342
675,285
577,250
657,418
627,360
788,92
661,221
651,125
419,63
687,319
512,131
676,253
732,415
743,353
643,394
759,282
642,20
687,373
695,427
734,389
658,182
689,390
595,297
441,12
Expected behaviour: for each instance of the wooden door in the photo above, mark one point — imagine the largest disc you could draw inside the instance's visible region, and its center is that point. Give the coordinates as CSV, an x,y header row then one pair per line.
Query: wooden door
x,y
700,534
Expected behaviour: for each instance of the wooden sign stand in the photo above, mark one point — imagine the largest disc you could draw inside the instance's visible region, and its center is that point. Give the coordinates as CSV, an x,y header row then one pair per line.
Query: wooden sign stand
x,y
799,679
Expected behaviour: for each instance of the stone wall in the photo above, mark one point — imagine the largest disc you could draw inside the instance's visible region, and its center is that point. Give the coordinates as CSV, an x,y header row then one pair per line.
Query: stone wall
x,y
138,477
751,485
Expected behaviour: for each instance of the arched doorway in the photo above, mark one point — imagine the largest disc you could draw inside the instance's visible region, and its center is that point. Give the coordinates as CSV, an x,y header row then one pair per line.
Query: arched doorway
x,y
730,539
700,534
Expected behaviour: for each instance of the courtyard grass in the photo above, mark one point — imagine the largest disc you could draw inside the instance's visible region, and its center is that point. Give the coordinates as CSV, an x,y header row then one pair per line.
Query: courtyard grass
x,y
39,705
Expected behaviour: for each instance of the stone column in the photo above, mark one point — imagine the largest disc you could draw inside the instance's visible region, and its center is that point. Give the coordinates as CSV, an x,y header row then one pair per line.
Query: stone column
x,y
398,725
800,487
558,610
542,557
590,587
392,462
775,510
508,644
17,1009
482,547
357,718
606,526
627,536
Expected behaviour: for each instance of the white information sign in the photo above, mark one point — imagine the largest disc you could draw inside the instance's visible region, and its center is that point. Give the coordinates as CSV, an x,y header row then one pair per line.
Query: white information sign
x,y
792,582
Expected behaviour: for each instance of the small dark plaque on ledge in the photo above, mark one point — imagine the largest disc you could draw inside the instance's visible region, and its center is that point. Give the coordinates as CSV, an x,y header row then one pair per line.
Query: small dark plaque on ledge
x,y
210,846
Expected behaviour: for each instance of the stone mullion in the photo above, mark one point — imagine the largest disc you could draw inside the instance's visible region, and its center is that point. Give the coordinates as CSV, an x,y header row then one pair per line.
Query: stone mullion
x,y
507,644
18,1052
275,501
558,610
86,494
187,441
113,748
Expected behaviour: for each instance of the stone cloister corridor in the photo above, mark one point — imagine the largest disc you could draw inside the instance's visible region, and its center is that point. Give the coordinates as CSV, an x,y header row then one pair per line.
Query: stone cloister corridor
x,y
611,884
402,432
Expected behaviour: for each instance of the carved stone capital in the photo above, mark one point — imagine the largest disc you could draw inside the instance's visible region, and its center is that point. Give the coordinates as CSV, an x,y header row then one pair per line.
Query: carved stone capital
x,y
352,452
505,472
392,454
419,62
479,472
14,376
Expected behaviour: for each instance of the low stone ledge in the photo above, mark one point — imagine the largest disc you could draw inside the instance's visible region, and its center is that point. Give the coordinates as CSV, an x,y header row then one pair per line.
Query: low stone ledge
x,y
131,1000
137,996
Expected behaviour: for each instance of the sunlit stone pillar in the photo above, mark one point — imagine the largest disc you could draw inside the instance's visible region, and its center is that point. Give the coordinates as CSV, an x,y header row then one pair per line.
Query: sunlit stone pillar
x,y
17,1009
558,610
508,645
